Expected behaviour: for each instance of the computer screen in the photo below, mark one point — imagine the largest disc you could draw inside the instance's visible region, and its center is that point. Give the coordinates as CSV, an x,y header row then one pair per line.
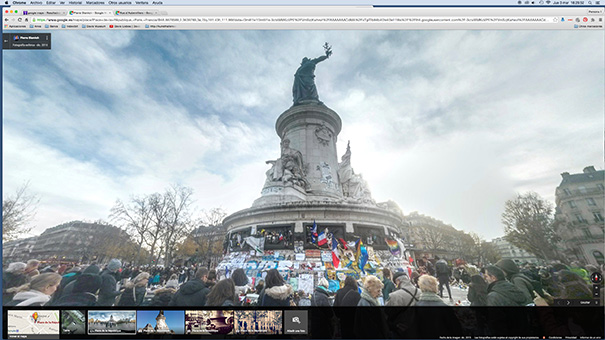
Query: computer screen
x,y
346,169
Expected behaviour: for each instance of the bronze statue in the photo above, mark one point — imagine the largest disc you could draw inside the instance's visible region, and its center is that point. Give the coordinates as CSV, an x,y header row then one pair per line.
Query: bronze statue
x,y
304,79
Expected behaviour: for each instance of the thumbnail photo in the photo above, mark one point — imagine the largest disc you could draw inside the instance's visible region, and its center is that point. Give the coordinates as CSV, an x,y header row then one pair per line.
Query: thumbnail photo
x,y
73,322
160,321
112,322
258,322
209,321
21,323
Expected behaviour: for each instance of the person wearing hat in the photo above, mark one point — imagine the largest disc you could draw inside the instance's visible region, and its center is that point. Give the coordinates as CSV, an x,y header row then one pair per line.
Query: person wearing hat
x,y
84,292
510,269
500,292
406,293
108,292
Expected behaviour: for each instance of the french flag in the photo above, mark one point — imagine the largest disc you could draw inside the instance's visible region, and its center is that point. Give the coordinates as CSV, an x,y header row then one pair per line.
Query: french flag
x,y
322,239
314,232
335,259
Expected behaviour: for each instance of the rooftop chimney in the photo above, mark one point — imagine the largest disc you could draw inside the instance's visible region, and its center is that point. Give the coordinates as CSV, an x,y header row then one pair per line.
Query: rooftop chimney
x,y
589,169
564,174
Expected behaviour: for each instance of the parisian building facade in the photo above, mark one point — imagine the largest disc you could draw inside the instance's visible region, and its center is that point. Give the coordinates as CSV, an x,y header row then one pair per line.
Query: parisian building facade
x,y
580,212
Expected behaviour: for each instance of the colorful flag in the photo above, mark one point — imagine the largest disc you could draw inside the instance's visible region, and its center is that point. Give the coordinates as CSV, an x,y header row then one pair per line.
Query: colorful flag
x,y
363,256
358,249
322,239
314,233
344,244
393,246
335,259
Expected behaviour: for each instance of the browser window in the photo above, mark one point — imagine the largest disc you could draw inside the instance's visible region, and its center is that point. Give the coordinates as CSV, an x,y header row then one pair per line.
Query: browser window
x,y
181,169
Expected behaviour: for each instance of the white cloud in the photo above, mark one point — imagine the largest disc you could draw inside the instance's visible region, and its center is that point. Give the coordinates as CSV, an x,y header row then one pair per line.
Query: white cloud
x,y
450,124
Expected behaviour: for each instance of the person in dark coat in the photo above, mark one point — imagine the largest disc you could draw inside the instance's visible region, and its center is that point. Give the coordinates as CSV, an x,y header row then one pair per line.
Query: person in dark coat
x,y
135,291
477,291
110,276
162,296
510,269
83,293
13,276
276,293
211,280
241,283
321,298
222,294
193,292
347,296
430,268
90,270
69,277
443,274
501,292
387,281
321,318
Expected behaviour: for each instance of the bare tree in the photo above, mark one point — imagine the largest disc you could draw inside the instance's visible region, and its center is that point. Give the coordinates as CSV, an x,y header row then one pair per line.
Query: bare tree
x,y
18,211
431,237
528,224
136,218
178,222
213,217
159,214
489,253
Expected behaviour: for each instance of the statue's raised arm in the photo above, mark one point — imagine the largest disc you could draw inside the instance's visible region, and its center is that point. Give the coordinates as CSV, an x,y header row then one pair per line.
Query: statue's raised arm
x,y
304,90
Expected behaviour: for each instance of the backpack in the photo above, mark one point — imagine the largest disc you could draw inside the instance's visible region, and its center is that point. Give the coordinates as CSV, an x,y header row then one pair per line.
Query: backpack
x,y
441,268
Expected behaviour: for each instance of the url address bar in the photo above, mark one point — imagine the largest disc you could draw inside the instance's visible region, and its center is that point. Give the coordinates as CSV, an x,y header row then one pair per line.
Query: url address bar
x,y
449,20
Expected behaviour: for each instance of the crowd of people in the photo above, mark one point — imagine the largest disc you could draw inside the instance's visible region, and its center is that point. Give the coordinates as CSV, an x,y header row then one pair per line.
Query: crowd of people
x,y
502,284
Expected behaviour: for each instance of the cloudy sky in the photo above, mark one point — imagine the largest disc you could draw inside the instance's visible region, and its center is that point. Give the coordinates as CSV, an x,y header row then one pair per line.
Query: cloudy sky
x,y
447,123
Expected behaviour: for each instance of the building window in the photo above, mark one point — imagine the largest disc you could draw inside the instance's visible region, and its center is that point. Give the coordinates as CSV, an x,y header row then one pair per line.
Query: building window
x,y
573,204
582,190
600,186
587,233
591,201
579,218
597,216
567,192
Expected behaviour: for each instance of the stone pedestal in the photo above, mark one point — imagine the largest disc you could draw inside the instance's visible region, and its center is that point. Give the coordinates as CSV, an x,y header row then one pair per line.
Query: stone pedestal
x,y
311,129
